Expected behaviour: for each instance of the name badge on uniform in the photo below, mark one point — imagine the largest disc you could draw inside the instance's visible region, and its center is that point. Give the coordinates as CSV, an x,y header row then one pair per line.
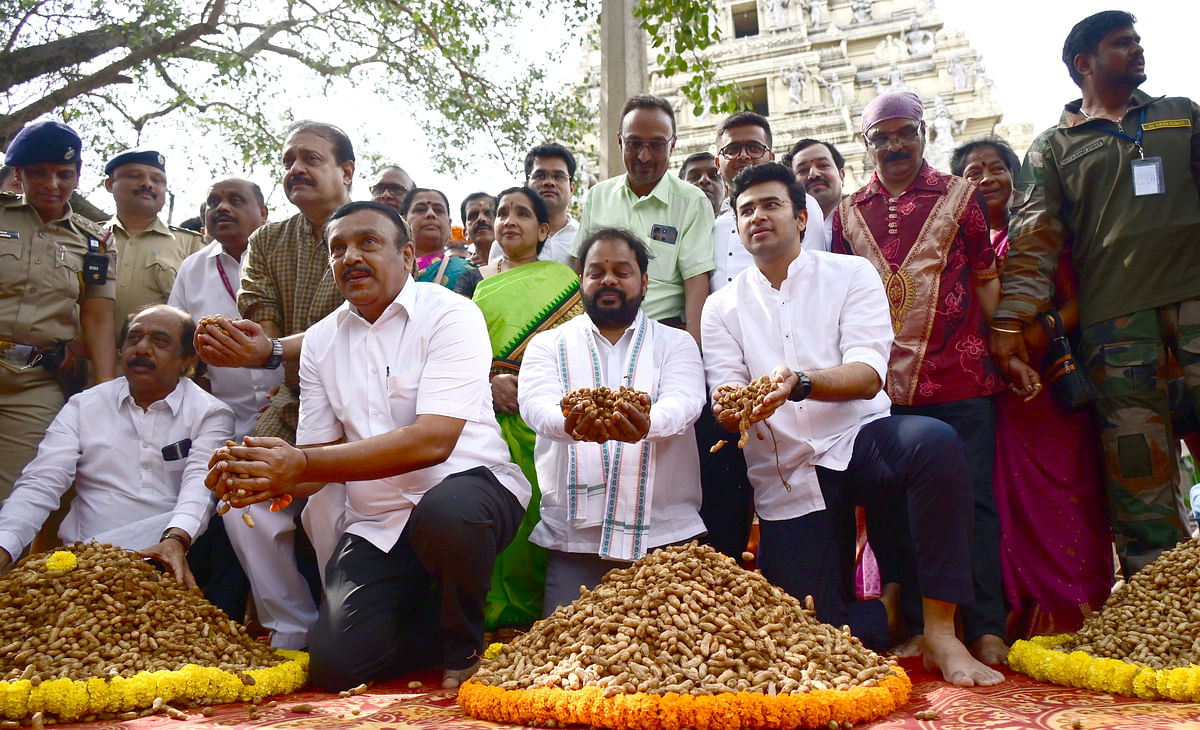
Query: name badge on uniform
x,y
1148,177
665,234
10,235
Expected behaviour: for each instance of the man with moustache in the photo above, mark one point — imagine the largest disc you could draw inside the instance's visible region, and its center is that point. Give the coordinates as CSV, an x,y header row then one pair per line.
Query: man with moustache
x,y
672,218
654,458
136,449
926,234
286,283
744,139
150,251
478,214
390,187
821,169
700,169
56,283
1118,179
818,324
234,209
550,170
430,497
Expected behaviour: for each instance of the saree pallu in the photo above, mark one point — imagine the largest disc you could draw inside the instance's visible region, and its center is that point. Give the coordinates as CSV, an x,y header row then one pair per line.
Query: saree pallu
x,y
518,304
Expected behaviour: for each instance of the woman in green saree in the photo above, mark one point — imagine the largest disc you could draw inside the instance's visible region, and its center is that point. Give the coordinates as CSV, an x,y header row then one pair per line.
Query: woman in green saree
x,y
520,296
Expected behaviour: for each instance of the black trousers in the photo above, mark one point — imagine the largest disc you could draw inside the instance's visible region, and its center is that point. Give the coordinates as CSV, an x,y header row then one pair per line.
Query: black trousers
x,y
419,605
910,475
217,571
975,421
727,508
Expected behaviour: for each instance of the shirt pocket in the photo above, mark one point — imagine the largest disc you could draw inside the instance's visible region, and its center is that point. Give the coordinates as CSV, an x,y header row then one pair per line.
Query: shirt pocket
x,y
160,276
402,396
64,271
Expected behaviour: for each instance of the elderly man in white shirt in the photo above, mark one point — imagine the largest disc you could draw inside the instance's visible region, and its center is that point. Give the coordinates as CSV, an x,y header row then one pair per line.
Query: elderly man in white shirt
x,y
818,323
613,344
136,448
207,285
395,401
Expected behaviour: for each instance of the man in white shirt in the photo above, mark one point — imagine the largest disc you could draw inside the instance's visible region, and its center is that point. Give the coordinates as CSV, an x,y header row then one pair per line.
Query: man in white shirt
x,y
818,323
745,139
613,344
550,170
136,449
207,285
700,169
395,401
821,169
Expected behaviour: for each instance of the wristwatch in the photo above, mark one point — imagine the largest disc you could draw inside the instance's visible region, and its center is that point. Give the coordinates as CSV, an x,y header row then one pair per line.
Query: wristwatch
x,y
276,358
802,389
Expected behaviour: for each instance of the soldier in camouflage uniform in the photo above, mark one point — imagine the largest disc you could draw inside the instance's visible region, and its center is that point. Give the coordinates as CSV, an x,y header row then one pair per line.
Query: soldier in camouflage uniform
x,y
1120,177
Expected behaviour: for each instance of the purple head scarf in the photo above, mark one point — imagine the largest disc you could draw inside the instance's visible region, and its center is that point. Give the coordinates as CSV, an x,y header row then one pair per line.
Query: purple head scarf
x,y
892,105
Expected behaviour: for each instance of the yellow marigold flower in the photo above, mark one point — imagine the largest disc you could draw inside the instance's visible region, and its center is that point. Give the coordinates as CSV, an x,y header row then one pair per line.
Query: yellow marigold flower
x,y
1041,659
493,650
61,560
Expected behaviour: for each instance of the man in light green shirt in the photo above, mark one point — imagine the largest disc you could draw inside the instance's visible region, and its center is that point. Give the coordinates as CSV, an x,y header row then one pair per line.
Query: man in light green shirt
x,y
672,217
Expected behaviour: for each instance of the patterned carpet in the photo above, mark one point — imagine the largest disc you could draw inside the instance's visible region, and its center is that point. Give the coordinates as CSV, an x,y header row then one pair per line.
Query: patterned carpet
x,y
1016,704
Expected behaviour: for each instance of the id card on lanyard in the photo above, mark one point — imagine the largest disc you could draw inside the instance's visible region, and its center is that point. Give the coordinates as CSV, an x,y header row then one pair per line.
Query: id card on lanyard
x,y
1148,178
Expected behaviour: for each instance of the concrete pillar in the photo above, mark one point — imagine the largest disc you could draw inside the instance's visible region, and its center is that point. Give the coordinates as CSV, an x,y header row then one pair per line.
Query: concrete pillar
x,y
622,75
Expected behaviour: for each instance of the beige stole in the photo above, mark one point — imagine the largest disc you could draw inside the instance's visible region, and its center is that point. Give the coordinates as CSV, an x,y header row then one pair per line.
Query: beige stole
x,y
914,284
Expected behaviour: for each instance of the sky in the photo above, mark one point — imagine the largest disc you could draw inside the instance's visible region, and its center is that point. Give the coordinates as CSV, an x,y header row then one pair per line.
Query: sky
x,y
1021,41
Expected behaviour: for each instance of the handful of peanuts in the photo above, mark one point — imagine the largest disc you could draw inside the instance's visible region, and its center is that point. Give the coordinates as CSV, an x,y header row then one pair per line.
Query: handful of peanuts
x,y
1154,619
684,619
214,320
601,404
113,614
277,504
742,401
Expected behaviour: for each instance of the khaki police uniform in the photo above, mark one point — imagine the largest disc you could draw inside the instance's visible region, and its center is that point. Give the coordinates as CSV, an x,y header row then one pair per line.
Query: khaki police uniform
x,y
147,264
41,287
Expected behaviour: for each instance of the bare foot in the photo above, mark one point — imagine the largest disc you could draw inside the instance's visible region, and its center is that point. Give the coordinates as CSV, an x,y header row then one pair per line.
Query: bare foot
x,y
452,678
890,598
947,653
915,646
990,649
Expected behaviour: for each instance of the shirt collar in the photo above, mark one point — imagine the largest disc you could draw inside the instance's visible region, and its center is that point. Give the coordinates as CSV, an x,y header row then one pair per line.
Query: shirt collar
x,y
64,219
405,301
794,269
157,226
1072,115
174,399
600,337
927,179
661,191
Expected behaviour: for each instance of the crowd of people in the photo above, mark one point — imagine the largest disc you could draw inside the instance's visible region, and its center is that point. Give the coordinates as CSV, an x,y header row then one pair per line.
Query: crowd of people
x,y
387,415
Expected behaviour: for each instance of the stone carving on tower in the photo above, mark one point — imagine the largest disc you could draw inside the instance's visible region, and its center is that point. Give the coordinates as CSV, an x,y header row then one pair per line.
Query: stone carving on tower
x,y
812,65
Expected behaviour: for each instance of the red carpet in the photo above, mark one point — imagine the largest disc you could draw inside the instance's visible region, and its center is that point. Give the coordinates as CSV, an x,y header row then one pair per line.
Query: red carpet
x,y
1016,704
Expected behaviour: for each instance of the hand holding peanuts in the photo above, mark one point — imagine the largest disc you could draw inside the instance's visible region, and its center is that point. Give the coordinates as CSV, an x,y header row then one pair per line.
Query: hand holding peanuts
x,y
258,470
226,342
601,414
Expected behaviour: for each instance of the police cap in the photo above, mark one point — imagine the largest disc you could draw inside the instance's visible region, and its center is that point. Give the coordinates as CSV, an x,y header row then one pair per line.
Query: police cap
x,y
46,141
144,157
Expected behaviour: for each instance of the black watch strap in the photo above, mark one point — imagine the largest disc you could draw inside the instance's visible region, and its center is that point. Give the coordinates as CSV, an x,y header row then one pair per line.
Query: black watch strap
x,y
803,387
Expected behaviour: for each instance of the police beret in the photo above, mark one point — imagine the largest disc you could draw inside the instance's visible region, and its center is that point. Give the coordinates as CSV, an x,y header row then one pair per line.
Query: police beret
x,y
43,142
145,157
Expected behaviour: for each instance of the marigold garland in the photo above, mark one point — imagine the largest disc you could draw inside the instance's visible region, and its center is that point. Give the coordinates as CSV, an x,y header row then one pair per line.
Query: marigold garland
x,y
1039,658
729,711
69,699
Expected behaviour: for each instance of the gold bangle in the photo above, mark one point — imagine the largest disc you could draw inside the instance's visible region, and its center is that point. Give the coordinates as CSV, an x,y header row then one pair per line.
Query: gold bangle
x,y
1006,331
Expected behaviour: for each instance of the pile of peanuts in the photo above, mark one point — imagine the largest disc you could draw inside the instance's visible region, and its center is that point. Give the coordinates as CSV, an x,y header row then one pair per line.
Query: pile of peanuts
x,y
1154,619
212,319
112,615
689,620
742,401
601,404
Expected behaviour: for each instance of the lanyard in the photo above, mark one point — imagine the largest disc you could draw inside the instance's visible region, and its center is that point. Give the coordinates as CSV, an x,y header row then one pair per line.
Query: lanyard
x,y
1137,141
224,278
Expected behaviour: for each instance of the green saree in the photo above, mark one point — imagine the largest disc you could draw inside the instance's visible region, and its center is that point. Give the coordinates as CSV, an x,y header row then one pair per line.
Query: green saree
x,y
518,304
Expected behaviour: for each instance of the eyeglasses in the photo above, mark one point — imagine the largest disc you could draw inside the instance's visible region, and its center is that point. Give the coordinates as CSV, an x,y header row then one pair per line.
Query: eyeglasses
x,y
557,176
657,146
908,135
754,150
392,188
